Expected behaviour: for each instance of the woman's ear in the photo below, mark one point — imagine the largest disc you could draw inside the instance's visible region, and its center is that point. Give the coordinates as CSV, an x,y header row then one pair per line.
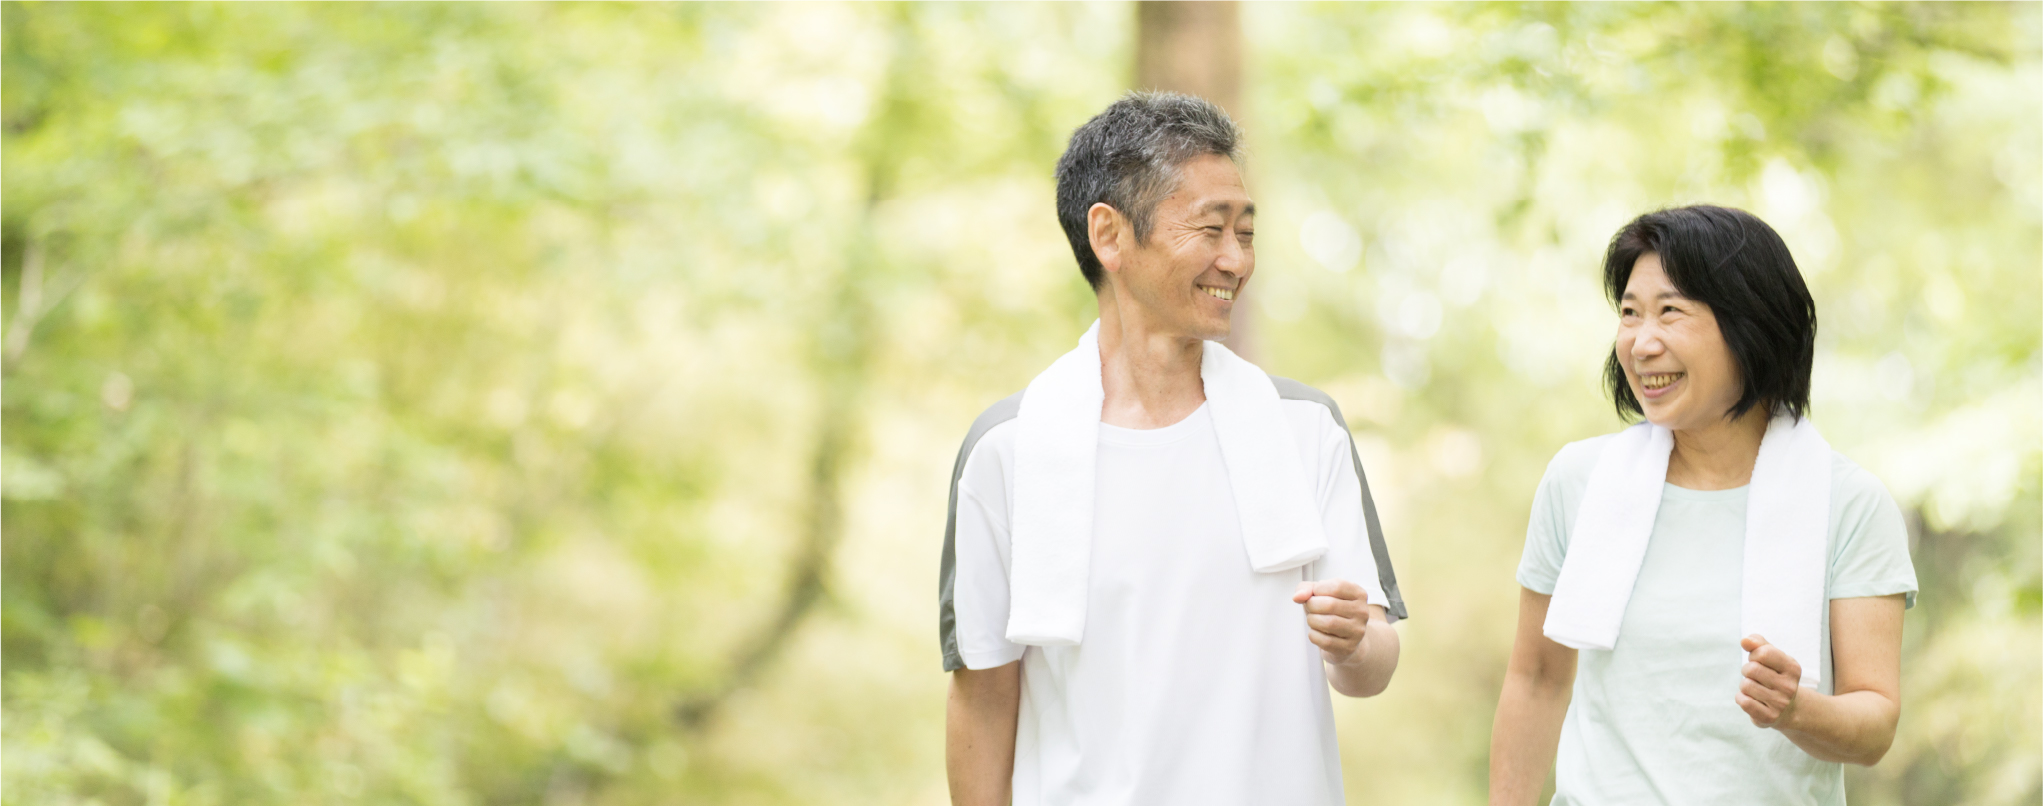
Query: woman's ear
x,y
1104,227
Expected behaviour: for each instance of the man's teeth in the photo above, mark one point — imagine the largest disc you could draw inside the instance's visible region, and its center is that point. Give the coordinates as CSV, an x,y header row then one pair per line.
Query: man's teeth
x,y
1223,293
1660,381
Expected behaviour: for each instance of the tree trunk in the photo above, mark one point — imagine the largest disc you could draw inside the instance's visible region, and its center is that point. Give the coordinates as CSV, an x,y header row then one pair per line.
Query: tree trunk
x,y
1195,48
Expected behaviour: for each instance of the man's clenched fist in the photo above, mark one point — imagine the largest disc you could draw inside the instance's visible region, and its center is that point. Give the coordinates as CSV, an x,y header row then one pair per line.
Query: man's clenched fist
x,y
1338,613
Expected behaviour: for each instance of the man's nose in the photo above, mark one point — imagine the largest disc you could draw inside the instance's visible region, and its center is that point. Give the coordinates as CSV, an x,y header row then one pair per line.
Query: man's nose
x,y
1234,258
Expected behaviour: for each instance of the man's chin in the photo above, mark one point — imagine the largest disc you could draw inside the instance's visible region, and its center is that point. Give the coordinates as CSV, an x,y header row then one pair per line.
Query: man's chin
x,y
1202,328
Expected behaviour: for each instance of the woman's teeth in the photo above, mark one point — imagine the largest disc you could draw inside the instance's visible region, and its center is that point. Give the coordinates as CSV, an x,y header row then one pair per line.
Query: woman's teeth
x,y
1660,381
1222,293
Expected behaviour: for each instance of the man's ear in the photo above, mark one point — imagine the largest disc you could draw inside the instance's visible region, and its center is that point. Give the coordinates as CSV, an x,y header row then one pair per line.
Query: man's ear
x,y
1105,226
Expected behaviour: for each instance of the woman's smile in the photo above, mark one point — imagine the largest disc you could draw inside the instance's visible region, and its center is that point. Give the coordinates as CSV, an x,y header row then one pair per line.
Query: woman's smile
x,y
1656,385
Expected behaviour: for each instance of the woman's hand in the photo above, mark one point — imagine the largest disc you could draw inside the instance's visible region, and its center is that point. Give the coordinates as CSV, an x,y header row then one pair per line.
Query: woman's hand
x,y
1772,679
1854,725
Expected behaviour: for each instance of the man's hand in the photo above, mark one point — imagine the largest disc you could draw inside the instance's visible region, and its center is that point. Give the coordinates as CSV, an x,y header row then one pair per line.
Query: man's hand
x,y
1772,679
1338,613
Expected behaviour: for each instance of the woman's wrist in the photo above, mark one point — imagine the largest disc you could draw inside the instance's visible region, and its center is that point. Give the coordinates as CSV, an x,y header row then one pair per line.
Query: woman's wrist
x,y
1794,715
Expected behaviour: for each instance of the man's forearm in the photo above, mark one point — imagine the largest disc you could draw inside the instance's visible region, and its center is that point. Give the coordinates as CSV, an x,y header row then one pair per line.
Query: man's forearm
x,y
1367,672
1852,728
1524,737
979,724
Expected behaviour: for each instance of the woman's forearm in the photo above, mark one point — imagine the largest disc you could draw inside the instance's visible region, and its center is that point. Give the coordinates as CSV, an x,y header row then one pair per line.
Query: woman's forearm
x,y
1852,728
1525,736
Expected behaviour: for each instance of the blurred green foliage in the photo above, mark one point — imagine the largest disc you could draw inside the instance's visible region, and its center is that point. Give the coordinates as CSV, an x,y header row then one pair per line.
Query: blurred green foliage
x,y
531,403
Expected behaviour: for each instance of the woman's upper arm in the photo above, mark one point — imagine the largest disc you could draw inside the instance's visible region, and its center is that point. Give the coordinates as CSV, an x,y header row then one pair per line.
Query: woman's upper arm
x,y
1532,652
1865,644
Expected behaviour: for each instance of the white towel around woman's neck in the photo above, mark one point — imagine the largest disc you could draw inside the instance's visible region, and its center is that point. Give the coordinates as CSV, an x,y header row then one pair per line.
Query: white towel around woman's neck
x,y
1055,454
1787,524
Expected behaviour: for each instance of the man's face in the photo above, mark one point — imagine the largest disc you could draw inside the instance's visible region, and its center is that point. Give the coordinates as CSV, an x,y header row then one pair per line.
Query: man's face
x,y
1198,256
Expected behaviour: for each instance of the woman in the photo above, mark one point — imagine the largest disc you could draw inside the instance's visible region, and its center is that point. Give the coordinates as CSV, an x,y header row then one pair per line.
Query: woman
x,y
1728,628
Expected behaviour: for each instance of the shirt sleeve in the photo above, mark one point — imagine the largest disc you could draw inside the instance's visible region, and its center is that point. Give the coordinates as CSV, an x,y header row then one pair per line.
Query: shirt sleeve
x,y
1339,495
975,624
1546,530
1869,539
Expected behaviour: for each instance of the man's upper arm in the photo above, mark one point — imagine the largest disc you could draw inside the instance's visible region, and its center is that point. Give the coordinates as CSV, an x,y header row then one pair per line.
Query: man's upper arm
x,y
972,583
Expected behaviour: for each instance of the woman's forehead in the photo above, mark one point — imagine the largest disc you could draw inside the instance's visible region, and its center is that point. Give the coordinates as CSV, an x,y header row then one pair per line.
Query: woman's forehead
x,y
1649,280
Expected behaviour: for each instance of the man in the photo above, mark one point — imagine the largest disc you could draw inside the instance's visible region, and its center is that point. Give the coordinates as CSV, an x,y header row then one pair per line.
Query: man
x,y
1158,557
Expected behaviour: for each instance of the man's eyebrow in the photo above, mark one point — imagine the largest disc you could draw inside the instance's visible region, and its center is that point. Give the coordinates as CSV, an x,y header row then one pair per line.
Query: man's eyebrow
x,y
1223,205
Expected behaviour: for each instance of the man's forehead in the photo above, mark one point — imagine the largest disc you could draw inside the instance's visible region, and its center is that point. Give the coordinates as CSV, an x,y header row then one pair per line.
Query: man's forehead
x,y
1211,183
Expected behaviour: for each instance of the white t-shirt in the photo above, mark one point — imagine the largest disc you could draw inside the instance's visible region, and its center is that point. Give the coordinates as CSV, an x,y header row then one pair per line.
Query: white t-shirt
x,y
1653,720
1194,683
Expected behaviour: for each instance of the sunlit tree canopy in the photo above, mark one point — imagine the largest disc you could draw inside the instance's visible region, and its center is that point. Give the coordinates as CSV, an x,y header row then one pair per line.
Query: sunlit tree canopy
x,y
478,403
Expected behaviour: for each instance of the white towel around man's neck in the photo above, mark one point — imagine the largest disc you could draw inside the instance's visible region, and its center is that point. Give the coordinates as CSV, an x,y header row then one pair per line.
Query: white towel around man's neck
x,y
1055,454
1787,524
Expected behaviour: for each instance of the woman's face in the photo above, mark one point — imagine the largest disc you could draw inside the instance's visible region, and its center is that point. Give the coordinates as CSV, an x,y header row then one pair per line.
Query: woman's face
x,y
1673,355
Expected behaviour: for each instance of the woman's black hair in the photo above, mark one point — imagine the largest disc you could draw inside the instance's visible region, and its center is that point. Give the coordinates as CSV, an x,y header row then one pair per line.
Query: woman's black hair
x,y
1733,262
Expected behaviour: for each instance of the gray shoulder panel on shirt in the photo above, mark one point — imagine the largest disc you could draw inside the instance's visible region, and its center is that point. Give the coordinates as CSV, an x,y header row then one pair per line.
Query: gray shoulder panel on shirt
x,y
947,614
1292,390
1007,409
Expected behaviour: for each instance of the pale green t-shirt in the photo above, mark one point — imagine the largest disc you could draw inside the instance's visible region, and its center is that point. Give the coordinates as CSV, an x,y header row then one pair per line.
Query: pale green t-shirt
x,y
1653,720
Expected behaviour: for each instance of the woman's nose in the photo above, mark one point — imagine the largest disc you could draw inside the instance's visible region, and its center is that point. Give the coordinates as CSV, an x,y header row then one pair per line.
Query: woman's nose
x,y
1646,342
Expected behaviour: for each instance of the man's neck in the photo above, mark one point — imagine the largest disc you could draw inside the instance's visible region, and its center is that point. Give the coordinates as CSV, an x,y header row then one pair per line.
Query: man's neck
x,y
1720,456
1151,378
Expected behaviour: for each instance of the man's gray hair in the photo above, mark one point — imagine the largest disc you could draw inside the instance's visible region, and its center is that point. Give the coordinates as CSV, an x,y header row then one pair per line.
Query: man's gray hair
x,y
1128,158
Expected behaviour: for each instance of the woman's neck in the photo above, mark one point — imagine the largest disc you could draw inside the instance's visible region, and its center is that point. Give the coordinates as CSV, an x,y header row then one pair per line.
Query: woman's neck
x,y
1718,456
